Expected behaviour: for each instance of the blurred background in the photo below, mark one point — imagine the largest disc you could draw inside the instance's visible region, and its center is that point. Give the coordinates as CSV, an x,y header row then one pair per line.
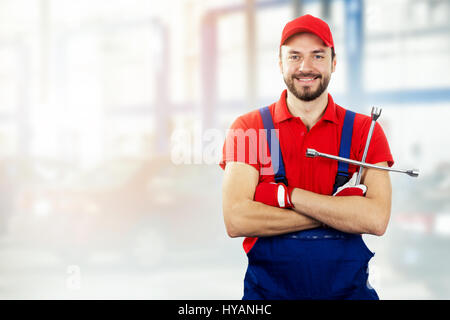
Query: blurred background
x,y
113,116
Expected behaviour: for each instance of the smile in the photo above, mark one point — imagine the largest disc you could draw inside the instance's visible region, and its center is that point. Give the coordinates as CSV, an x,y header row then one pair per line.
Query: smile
x,y
306,80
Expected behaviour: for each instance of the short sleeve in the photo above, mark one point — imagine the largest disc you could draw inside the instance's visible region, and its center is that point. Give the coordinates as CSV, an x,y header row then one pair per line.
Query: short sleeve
x,y
240,145
379,150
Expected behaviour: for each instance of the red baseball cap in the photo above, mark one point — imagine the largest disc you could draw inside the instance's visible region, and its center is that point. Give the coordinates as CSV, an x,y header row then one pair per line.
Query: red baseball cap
x,y
308,23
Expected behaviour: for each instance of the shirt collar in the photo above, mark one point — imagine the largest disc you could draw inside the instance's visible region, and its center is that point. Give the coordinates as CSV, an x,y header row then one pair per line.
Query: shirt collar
x,y
282,112
330,112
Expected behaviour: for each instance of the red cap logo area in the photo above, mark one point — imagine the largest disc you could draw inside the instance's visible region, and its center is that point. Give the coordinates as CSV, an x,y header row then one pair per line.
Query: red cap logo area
x,y
308,23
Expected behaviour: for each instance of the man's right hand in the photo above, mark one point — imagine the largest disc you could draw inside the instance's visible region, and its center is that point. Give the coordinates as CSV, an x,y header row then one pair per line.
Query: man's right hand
x,y
351,188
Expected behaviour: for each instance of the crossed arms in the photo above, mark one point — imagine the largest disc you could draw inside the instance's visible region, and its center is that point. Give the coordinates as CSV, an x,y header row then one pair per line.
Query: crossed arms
x,y
245,217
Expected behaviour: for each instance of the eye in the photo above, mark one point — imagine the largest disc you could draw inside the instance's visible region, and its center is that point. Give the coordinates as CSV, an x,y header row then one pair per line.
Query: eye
x,y
294,57
318,57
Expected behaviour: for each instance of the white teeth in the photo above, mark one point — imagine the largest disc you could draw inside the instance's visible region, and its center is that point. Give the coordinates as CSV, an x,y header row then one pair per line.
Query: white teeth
x,y
306,79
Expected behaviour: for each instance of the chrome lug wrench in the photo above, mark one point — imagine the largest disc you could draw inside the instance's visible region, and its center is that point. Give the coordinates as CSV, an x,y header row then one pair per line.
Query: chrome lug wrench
x,y
376,112
311,153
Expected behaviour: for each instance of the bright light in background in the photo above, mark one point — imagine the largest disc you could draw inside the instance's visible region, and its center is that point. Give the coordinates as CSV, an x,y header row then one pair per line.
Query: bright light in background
x,y
42,208
414,143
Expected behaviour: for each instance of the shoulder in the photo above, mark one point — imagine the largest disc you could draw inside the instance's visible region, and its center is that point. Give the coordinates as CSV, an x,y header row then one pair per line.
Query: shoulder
x,y
361,122
379,150
250,120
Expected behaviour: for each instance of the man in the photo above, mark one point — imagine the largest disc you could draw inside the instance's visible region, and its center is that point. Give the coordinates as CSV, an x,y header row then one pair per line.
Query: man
x,y
302,221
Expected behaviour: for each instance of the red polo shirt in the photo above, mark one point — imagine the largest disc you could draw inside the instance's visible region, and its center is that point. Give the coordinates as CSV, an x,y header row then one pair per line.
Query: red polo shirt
x,y
245,143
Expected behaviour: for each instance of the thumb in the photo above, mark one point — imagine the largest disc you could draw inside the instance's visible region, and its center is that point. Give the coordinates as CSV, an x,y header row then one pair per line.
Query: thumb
x,y
352,181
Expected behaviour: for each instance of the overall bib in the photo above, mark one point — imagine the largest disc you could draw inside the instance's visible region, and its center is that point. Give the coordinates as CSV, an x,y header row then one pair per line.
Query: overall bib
x,y
320,263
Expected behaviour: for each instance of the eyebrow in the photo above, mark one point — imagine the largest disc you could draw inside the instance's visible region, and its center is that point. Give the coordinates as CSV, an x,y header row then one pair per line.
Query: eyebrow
x,y
314,51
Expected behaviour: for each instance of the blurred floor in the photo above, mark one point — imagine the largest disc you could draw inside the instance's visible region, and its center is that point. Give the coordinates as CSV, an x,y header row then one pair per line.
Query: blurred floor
x,y
185,255
27,273
389,282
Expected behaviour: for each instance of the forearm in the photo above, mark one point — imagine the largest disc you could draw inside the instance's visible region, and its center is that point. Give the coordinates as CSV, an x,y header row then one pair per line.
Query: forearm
x,y
249,218
351,214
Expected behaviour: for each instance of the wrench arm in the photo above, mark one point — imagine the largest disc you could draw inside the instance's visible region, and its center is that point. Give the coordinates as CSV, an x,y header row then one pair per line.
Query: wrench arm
x,y
313,153
375,114
366,148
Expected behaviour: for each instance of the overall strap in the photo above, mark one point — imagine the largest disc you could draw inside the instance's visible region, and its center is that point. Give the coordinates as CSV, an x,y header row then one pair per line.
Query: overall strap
x,y
280,175
342,175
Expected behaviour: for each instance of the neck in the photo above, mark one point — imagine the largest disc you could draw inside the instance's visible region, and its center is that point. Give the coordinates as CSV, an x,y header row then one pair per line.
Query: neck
x,y
309,111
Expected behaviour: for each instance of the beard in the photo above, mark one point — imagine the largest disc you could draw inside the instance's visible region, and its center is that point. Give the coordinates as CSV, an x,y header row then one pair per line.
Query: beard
x,y
307,93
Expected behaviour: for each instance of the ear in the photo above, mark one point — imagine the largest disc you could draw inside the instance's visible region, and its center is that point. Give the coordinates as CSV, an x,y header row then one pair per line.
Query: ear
x,y
333,64
280,58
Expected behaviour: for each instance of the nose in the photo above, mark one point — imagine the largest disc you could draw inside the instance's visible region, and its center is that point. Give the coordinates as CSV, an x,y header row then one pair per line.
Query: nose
x,y
305,65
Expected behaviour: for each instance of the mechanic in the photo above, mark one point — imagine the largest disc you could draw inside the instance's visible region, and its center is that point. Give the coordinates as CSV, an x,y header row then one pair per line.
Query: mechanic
x,y
303,218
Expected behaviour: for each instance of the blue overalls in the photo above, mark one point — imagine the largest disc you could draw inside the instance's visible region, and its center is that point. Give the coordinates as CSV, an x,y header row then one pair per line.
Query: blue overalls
x,y
320,263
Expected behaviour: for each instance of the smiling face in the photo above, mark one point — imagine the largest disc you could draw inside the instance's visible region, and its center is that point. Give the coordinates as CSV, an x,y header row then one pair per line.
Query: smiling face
x,y
306,64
